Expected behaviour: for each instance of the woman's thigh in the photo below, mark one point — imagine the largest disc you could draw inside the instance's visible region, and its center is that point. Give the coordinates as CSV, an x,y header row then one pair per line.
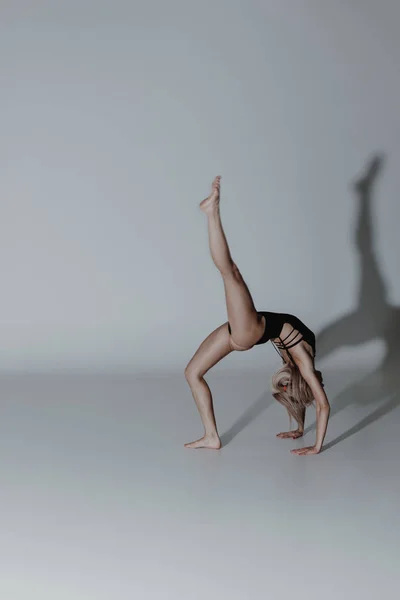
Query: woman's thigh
x,y
246,325
213,349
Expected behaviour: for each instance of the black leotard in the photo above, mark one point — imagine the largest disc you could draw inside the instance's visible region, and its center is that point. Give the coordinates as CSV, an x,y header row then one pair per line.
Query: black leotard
x,y
274,323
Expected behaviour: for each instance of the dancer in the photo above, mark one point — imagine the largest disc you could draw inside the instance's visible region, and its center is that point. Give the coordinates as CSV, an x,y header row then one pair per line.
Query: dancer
x,y
296,385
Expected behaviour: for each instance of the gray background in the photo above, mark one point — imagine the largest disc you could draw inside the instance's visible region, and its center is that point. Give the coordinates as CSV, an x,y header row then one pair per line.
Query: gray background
x,y
115,117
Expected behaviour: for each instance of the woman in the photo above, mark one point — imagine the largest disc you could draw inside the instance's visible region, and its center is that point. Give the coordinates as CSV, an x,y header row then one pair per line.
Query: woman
x,y
295,385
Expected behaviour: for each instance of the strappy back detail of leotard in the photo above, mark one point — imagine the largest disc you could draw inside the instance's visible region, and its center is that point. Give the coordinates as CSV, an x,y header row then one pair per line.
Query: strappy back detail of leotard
x,y
288,342
282,345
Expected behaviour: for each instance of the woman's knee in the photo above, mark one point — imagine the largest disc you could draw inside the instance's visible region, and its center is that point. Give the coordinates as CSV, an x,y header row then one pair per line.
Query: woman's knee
x,y
192,373
231,270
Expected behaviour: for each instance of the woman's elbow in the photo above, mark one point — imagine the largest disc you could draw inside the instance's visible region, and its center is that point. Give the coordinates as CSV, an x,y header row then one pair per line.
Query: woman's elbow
x,y
323,407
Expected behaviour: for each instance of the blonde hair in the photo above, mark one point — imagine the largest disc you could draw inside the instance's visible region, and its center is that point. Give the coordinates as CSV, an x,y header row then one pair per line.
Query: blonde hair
x,y
292,391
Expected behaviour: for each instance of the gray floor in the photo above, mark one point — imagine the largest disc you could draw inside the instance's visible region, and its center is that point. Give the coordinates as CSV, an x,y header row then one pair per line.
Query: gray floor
x,y
99,499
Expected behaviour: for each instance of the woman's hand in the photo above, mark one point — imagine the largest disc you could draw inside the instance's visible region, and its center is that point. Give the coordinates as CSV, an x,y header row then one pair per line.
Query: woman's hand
x,y
307,450
290,434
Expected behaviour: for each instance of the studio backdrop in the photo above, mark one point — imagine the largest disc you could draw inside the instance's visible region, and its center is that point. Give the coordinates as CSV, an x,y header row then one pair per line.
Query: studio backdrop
x,y
114,119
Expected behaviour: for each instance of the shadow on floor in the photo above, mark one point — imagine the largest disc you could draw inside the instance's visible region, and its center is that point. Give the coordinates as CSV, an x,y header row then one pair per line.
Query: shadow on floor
x,y
250,414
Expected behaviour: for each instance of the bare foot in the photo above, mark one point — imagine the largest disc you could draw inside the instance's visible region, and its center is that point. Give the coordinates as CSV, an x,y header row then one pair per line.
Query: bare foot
x,y
212,202
208,441
293,435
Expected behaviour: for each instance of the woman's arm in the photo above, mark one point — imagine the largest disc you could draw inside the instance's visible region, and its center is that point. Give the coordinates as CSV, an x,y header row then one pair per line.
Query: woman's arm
x,y
307,371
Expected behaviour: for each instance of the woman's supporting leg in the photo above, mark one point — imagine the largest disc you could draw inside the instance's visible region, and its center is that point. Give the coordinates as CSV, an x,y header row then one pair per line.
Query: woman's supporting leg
x,y
215,347
246,325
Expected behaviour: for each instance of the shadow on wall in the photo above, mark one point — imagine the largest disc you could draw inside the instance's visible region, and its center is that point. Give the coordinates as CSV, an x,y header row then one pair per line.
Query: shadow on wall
x,y
373,318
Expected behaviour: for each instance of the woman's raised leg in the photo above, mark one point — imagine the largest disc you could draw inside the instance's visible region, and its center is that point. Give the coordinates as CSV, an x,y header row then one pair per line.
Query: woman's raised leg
x,y
246,325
